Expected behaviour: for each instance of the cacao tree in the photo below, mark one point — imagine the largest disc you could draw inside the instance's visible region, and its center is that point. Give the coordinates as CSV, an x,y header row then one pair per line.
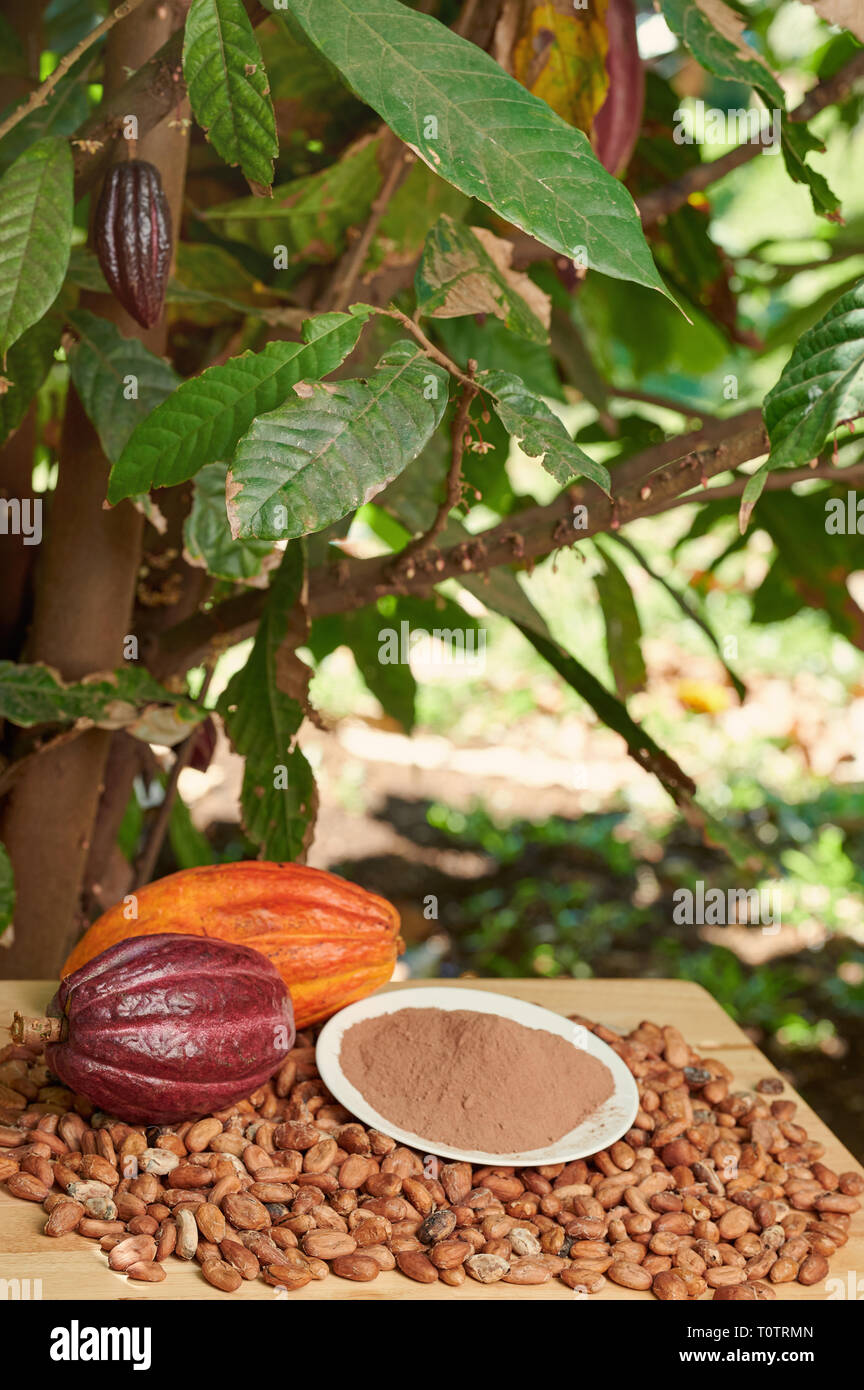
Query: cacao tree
x,y
273,277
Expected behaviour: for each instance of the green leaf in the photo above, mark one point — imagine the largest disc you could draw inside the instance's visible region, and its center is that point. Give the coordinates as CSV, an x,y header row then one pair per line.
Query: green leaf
x,y
262,707
375,632
334,447
189,845
822,385
623,628
228,88
750,496
207,535
714,34
7,890
35,235
466,270
615,716
208,280
309,216
720,46
687,606
392,684
205,417
127,699
538,430
796,142
474,124
812,562
118,379
27,366
209,275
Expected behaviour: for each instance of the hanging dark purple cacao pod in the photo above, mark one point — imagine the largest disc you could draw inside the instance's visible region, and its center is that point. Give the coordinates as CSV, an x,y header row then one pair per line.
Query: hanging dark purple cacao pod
x,y
132,232
617,123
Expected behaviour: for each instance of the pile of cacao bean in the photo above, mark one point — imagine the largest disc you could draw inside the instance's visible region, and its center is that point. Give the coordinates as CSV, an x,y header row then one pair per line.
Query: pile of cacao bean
x,y
711,1190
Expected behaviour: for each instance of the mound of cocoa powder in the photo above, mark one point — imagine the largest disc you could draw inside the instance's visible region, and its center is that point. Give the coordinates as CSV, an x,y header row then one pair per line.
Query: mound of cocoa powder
x,y
472,1080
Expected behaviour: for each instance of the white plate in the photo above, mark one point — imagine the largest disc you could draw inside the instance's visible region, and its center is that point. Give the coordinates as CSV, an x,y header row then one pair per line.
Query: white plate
x,y
614,1117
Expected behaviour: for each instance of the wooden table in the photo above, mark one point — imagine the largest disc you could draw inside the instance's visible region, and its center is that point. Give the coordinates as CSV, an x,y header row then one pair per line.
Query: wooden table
x,y
71,1267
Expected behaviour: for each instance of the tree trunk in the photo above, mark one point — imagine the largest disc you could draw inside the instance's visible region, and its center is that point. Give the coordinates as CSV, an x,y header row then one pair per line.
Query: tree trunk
x,y
84,597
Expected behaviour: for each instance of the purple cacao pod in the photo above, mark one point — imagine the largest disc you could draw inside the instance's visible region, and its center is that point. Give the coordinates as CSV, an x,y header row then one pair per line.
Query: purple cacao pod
x,y
617,123
167,1027
132,232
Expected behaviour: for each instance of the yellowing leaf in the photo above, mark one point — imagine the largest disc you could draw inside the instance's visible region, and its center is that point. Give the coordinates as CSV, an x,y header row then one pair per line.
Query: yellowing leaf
x,y
560,56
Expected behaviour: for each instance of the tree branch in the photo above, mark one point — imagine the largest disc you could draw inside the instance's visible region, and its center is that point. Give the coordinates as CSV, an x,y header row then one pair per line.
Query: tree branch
x,y
535,533
780,481
519,540
661,201
43,92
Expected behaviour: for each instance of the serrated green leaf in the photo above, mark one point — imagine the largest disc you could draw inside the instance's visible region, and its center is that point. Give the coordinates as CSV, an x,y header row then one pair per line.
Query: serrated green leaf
x,y
35,235
207,536
623,628
205,417
27,365
228,88
714,35
796,142
7,890
262,714
466,270
334,447
538,430
119,380
821,386
127,699
478,128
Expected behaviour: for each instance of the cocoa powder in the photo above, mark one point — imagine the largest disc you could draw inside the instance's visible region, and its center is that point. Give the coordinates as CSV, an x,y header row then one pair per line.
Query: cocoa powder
x,y
472,1080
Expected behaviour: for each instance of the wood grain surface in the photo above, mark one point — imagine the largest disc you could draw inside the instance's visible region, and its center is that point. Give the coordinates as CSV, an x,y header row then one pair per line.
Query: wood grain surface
x,y
71,1267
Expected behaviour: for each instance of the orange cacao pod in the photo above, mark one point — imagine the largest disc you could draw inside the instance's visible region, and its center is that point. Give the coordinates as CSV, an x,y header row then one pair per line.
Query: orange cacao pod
x,y
331,941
